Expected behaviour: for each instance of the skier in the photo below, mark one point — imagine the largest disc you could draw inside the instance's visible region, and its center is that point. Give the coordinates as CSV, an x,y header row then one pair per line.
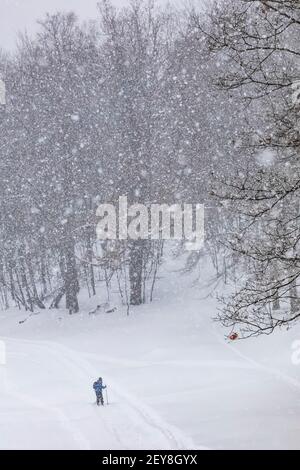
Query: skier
x,y
98,387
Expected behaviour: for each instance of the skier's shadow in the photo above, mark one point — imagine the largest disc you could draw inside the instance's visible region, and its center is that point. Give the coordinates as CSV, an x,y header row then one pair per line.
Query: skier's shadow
x,y
105,405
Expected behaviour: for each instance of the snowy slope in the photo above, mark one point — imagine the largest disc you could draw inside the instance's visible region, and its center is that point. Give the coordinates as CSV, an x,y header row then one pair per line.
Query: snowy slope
x,y
47,403
174,381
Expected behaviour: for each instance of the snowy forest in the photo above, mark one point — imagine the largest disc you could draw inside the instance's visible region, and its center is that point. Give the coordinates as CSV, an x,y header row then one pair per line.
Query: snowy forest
x,y
162,104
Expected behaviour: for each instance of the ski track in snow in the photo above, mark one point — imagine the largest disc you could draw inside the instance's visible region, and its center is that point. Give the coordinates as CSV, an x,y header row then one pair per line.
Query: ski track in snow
x,y
129,423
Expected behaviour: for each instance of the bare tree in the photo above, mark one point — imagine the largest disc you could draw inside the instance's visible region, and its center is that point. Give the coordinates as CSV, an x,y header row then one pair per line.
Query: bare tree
x,y
258,47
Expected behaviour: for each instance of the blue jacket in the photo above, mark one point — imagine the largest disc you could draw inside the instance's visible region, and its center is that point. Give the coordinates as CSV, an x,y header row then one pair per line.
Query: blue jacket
x,y
98,386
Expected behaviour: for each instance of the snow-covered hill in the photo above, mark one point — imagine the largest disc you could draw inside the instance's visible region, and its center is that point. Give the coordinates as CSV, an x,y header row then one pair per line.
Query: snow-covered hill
x,y
173,380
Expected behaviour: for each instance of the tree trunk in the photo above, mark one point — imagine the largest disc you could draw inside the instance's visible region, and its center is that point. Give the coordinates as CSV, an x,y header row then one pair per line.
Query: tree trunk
x,y
43,271
56,301
24,279
71,277
90,260
136,255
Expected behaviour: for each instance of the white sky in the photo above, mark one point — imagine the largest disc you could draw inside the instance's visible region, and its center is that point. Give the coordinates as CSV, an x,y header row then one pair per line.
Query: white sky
x,y
21,15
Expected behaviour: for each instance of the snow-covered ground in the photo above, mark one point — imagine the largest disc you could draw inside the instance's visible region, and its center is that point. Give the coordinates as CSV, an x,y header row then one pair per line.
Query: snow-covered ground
x,y
174,382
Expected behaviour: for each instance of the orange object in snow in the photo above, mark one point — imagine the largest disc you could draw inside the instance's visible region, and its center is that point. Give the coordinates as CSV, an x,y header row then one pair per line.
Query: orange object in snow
x,y
233,336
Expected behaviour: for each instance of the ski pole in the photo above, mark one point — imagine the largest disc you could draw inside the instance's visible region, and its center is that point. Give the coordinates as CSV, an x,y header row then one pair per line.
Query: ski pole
x,y
106,395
